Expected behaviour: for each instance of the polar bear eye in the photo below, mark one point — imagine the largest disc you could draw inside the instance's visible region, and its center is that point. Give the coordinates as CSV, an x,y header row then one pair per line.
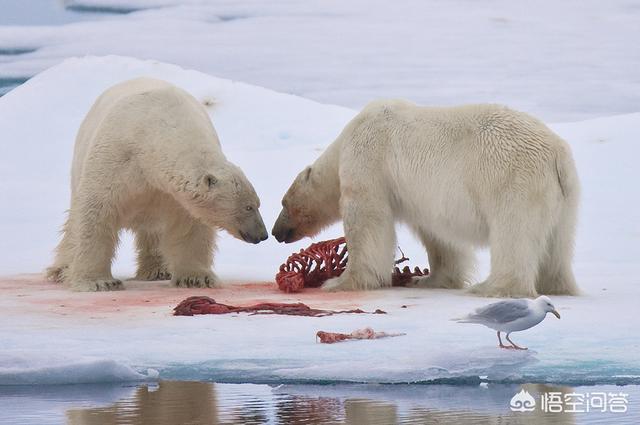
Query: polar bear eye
x,y
249,208
210,180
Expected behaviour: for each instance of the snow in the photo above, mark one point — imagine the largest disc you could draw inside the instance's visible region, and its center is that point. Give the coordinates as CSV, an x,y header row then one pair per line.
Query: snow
x,y
564,60
59,336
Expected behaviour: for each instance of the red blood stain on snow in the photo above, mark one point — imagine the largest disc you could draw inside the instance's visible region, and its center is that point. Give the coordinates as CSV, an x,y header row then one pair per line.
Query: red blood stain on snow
x,y
34,293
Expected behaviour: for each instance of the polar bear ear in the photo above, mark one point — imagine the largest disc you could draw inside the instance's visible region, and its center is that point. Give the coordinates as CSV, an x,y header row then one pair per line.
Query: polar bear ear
x,y
210,180
307,173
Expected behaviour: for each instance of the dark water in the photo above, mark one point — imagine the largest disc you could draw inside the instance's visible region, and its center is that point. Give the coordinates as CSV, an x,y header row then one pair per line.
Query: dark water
x,y
7,84
51,12
42,12
187,402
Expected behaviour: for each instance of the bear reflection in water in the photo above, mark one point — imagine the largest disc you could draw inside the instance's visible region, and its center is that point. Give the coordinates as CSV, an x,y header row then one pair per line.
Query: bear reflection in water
x,y
184,402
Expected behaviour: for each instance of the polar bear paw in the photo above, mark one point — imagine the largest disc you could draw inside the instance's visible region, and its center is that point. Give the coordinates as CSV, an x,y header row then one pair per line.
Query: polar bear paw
x,y
195,280
439,281
347,283
98,285
158,272
337,284
56,273
489,289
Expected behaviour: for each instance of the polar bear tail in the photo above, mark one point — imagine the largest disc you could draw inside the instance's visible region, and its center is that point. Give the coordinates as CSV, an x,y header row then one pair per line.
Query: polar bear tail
x,y
567,176
562,178
208,101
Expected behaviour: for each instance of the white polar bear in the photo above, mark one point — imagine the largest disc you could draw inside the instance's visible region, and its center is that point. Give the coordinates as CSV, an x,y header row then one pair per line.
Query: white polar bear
x,y
147,158
458,177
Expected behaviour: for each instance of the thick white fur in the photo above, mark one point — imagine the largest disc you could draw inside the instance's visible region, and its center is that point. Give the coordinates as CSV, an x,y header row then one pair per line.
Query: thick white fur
x,y
148,159
460,178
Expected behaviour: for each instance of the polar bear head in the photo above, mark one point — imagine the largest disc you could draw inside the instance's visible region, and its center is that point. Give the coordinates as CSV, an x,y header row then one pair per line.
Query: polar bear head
x,y
310,204
224,198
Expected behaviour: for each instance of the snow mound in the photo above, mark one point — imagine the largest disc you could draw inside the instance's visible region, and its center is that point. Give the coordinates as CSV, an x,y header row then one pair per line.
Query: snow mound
x,y
560,60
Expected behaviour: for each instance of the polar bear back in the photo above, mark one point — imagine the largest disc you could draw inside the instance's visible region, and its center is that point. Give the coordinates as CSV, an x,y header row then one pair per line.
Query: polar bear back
x,y
465,160
142,115
469,134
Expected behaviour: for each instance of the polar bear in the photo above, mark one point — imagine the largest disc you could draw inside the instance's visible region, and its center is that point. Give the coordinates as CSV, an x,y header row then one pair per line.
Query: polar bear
x,y
148,159
460,178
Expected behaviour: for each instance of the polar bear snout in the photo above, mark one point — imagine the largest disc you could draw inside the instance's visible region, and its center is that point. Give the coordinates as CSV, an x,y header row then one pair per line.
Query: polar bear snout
x,y
283,231
251,238
253,229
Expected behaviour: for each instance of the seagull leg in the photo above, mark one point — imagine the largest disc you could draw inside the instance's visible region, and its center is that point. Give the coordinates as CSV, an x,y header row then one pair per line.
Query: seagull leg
x,y
514,344
508,347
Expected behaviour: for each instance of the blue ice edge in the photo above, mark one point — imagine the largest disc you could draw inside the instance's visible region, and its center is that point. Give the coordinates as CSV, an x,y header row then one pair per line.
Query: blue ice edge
x,y
269,371
596,372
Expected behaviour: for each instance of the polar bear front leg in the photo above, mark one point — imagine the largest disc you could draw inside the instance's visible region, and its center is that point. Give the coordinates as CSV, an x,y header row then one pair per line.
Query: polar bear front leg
x,y
151,262
371,240
189,253
96,237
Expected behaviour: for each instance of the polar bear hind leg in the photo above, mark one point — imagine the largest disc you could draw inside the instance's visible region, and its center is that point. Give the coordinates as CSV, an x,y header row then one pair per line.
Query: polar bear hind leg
x,y
450,267
151,262
64,255
556,275
96,238
518,239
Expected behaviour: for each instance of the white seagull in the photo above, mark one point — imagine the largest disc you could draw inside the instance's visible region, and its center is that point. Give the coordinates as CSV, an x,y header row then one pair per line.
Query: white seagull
x,y
512,316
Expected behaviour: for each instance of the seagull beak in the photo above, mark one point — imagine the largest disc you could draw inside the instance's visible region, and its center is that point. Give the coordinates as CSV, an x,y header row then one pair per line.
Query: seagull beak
x,y
555,313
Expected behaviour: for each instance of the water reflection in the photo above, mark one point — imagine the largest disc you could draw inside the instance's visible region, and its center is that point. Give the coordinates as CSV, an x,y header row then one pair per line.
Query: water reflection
x,y
191,403
170,402
179,402
300,409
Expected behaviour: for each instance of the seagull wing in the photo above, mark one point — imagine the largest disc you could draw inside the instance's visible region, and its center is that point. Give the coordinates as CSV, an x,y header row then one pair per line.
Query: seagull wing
x,y
500,312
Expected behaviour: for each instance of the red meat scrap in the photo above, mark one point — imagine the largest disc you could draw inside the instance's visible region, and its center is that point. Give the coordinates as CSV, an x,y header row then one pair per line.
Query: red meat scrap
x,y
205,305
321,261
366,333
